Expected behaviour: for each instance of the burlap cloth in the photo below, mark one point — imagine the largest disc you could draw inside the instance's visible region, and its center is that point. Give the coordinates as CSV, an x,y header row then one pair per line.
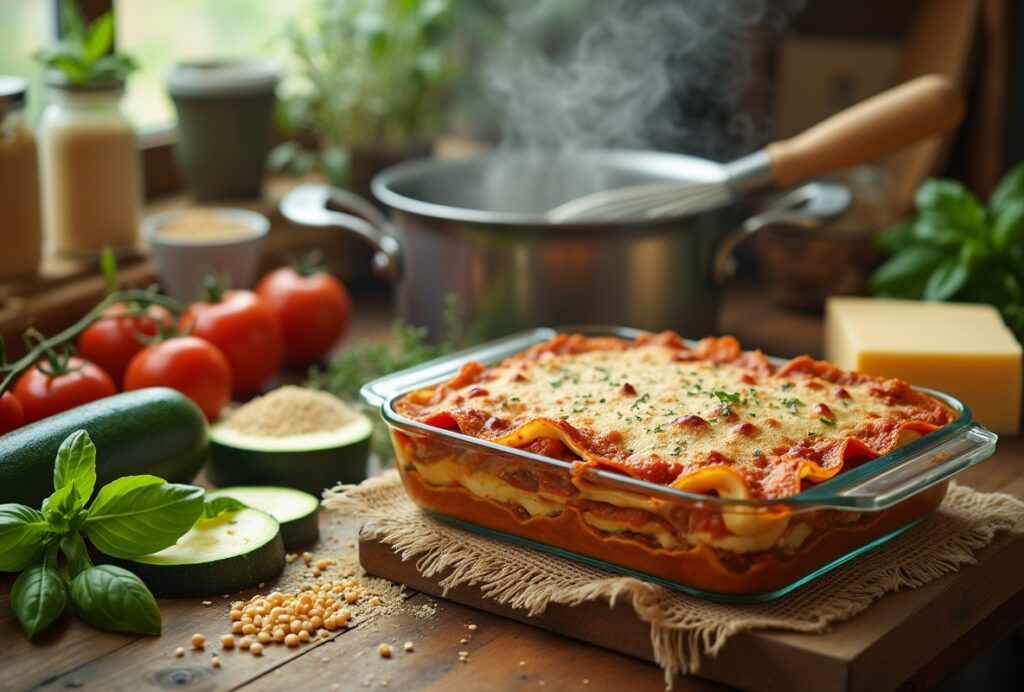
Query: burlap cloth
x,y
684,629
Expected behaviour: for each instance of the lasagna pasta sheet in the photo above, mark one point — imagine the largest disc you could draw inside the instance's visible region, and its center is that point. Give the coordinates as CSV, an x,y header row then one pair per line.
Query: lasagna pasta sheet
x,y
712,419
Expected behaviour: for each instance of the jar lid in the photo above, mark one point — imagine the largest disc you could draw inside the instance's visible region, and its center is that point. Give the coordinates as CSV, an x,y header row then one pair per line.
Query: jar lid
x,y
13,92
222,77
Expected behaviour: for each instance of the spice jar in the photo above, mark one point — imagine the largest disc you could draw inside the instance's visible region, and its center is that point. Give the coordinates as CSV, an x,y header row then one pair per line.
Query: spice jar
x,y
20,226
90,168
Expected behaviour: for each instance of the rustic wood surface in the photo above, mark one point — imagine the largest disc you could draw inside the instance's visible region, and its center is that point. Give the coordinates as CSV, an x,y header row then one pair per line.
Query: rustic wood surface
x,y
503,654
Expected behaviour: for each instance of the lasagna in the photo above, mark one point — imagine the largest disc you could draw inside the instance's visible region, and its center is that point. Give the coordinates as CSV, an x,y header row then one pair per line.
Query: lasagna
x,y
711,420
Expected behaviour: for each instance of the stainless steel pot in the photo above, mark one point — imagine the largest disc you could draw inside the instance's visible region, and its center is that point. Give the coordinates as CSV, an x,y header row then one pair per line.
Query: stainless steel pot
x,y
475,229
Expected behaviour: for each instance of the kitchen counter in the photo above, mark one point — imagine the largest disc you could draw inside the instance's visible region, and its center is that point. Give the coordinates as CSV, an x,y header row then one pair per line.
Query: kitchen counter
x,y
503,654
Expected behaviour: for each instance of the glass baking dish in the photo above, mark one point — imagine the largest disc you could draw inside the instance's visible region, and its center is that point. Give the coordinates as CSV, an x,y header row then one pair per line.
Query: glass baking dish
x,y
603,518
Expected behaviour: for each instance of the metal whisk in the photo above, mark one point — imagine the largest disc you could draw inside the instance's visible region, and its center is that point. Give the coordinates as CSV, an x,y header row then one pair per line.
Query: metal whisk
x,y
882,124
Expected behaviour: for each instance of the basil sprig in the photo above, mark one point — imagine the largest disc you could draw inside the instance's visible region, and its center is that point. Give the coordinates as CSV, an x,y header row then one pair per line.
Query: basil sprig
x,y
130,517
957,249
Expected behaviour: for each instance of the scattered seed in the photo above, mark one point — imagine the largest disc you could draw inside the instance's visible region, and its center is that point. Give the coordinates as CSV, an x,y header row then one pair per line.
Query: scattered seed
x,y
290,558
384,650
198,641
207,604
227,641
179,652
408,647
471,628
256,649
215,662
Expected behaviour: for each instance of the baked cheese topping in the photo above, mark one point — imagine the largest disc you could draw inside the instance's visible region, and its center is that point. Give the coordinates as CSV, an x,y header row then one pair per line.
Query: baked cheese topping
x,y
708,419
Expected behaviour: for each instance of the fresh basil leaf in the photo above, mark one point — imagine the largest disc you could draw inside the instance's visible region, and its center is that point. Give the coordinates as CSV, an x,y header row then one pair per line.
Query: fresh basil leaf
x,y
896,237
948,278
38,597
23,532
1011,187
938,229
99,37
76,463
904,274
73,22
62,506
217,505
139,515
113,599
1008,228
74,550
946,208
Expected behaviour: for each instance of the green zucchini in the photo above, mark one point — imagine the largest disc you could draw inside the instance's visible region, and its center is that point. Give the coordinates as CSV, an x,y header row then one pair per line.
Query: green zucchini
x,y
309,462
155,431
221,554
296,511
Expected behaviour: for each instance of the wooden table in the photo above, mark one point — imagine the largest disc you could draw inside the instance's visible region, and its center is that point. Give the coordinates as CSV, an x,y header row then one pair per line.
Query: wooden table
x,y
504,654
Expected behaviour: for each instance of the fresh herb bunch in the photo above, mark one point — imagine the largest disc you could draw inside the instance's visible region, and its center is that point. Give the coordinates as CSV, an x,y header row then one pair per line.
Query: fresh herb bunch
x,y
367,74
957,249
349,371
82,54
129,517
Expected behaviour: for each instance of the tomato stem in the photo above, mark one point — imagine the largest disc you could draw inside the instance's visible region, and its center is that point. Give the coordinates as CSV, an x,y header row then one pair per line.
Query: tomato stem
x,y
214,287
307,265
39,350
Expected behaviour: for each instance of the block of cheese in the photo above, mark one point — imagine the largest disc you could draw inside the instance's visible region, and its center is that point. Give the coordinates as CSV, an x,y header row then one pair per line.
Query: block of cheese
x,y
959,348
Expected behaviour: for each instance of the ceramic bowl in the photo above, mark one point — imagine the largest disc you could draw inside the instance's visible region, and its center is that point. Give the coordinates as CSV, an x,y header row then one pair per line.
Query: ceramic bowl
x,y
183,260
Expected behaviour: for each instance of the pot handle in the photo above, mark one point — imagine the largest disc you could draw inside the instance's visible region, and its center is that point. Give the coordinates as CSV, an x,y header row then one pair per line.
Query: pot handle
x,y
307,205
808,206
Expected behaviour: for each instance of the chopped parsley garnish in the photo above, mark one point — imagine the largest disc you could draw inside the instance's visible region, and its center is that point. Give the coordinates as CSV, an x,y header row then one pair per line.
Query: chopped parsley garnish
x,y
787,386
827,421
677,451
557,383
642,400
727,397
757,452
791,403
581,409
515,398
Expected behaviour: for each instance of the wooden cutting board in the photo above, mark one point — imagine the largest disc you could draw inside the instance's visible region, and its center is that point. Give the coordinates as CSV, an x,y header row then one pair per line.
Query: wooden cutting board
x,y
921,633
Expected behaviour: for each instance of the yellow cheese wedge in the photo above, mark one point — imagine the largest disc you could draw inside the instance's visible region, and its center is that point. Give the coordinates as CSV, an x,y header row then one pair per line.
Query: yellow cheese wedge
x,y
963,349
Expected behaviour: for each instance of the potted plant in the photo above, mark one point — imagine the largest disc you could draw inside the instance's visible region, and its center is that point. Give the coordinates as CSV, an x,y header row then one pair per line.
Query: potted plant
x,y
367,87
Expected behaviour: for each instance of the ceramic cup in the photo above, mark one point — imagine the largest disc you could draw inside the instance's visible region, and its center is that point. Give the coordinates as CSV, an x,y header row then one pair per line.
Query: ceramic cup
x,y
224,114
182,262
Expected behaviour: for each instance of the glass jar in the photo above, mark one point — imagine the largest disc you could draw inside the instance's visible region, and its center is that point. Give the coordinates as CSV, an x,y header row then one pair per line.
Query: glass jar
x,y
90,169
20,226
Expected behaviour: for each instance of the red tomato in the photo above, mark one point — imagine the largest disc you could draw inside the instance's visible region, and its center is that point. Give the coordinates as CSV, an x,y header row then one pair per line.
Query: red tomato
x,y
113,340
12,415
193,366
246,330
43,395
314,310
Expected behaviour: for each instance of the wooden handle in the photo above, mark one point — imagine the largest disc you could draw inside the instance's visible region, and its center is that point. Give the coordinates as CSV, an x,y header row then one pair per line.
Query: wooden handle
x,y
875,127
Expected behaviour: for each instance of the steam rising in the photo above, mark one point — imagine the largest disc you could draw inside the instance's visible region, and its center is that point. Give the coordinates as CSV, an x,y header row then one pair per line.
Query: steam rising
x,y
645,74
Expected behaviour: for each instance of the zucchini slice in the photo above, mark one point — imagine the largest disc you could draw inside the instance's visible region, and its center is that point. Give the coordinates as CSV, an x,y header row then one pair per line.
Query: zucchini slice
x,y
309,462
296,511
232,551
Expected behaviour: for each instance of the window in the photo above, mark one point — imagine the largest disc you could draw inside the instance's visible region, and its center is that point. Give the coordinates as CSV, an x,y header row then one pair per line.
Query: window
x,y
156,34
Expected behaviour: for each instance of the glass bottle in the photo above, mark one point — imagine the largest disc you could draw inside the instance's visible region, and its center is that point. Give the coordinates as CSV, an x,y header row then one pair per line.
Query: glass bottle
x,y
20,225
89,161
